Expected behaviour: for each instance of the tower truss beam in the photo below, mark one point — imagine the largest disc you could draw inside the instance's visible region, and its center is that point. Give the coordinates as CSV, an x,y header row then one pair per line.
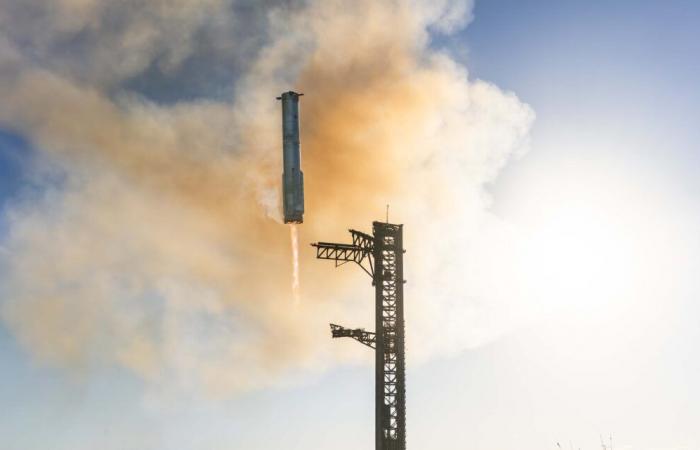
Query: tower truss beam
x,y
359,252
367,338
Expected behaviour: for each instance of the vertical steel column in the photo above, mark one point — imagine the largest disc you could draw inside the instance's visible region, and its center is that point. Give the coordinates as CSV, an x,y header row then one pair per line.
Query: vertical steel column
x,y
390,375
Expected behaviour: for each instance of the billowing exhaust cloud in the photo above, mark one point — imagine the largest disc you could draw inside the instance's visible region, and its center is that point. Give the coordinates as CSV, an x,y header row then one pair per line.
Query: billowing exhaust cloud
x,y
151,236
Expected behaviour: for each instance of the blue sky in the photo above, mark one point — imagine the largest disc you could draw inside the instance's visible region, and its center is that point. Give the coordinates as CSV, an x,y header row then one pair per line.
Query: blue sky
x,y
621,65
614,89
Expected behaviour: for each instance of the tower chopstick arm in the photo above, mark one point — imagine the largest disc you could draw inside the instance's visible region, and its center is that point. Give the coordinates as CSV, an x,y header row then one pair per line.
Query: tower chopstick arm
x,y
359,252
367,338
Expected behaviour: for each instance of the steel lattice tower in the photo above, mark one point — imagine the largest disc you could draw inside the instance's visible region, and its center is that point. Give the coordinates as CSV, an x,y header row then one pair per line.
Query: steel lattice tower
x,y
381,256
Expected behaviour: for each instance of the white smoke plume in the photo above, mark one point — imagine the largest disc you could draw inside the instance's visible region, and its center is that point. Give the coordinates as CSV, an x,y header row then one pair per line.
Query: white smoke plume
x,y
149,236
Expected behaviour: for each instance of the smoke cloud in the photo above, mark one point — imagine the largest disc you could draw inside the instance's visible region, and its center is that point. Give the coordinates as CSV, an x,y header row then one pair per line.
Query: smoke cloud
x,y
150,237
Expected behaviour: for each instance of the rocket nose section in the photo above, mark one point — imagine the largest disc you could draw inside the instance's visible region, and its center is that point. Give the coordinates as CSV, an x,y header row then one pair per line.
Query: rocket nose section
x,y
291,94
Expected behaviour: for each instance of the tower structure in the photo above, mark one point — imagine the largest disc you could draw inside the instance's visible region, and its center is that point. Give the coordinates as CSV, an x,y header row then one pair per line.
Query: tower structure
x,y
381,257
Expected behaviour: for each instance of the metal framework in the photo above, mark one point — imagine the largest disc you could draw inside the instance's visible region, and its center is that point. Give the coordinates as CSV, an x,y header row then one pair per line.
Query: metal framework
x,y
359,334
381,257
360,251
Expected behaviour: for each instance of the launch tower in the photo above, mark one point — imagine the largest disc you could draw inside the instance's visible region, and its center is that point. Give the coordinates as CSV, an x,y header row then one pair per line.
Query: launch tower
x,y
381,257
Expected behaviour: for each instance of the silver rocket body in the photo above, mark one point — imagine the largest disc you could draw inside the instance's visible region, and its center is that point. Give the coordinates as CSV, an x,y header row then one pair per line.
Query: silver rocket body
x,y
292,177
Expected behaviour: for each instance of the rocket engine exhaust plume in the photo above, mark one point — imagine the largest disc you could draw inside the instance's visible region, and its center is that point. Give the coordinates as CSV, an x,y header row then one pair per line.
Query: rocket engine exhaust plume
x,y
149,237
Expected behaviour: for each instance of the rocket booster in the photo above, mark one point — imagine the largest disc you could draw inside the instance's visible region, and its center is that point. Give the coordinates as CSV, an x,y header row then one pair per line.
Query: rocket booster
x,y
292,177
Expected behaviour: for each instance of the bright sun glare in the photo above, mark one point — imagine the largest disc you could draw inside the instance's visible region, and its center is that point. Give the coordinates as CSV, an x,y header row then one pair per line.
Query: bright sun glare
x,y
596,245
580,257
